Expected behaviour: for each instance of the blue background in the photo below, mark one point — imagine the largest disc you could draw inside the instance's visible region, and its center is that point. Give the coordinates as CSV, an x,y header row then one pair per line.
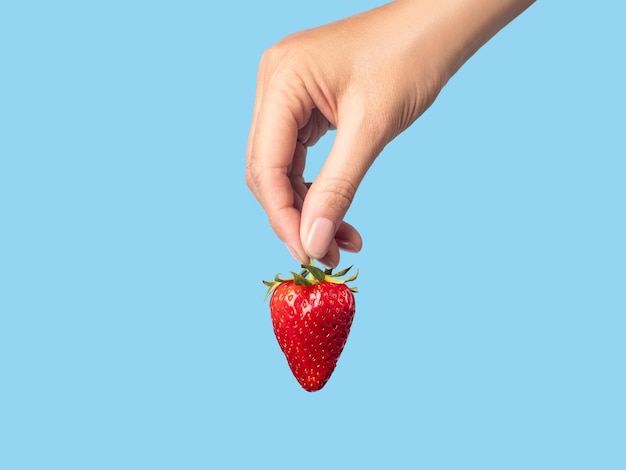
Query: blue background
x,y
133,333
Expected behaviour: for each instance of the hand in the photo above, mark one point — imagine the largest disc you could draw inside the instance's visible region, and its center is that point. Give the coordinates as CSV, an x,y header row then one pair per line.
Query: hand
x,y
369,77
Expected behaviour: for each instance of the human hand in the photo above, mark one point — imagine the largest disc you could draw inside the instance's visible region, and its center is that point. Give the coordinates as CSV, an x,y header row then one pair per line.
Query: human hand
x,y
369,77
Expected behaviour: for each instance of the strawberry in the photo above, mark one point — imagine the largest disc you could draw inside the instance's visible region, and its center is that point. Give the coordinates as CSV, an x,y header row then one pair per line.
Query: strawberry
x,y
312,314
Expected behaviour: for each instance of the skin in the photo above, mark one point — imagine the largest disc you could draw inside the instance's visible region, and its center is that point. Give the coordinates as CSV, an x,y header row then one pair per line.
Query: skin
x,y
369,76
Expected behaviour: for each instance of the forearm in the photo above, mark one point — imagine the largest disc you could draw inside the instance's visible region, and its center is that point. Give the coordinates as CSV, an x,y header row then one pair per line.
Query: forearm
x,y
449,32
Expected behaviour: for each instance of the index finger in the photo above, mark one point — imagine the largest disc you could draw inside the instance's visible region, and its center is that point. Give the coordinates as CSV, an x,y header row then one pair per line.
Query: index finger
x,y
279,114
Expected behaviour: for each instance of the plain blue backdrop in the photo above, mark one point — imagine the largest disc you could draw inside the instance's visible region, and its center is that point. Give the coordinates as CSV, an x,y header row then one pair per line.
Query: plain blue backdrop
x,y
133,332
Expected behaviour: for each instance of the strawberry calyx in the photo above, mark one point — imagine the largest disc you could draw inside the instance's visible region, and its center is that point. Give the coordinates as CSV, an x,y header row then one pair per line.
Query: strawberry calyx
x,y
311,275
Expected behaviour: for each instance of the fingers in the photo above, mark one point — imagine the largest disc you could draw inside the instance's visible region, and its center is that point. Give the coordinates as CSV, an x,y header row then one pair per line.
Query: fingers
x,y
322,230
309,220
315,128
348,238
270,166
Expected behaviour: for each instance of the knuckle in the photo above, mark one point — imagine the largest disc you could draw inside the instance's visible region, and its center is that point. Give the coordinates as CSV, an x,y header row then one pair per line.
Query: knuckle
x,y
252,177
339,193
250,182
279,55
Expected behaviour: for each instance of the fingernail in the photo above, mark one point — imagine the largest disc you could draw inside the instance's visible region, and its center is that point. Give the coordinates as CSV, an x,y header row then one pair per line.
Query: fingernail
x,y
321,234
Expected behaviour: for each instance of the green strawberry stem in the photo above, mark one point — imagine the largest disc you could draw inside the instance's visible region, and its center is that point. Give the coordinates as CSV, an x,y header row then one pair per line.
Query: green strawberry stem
x,y
311,275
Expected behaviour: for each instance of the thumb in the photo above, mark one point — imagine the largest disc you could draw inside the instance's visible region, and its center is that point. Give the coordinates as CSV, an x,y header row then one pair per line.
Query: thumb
x,y
334,188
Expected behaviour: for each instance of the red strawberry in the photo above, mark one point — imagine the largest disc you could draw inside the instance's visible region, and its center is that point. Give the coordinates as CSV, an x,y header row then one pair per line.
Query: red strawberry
x,y
312,314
